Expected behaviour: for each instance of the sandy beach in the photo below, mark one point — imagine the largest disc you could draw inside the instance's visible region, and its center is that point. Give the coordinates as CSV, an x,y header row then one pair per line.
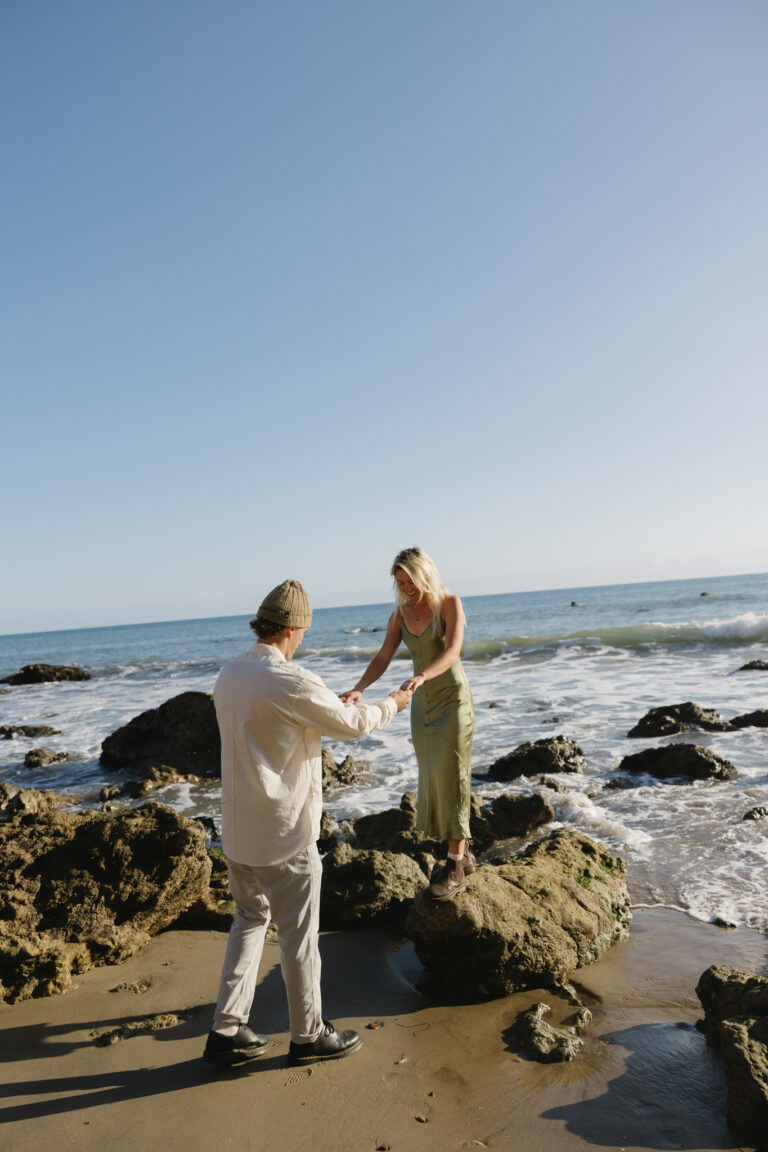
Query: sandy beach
x,y
429,1076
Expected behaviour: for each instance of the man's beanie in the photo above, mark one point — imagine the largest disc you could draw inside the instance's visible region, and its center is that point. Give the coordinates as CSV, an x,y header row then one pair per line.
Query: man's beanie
x,y
288,604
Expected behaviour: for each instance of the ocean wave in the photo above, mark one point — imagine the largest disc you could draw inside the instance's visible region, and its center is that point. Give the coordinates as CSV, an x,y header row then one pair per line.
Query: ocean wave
x,y
749,628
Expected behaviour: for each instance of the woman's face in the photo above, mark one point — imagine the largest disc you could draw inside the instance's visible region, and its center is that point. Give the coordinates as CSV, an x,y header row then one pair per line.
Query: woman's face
x,y
405,585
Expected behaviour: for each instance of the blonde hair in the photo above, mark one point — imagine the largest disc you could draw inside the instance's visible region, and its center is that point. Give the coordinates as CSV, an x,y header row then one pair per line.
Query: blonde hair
x,y
422,571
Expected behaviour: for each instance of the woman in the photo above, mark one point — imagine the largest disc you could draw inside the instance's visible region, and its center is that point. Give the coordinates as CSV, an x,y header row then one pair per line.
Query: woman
x,y
430,621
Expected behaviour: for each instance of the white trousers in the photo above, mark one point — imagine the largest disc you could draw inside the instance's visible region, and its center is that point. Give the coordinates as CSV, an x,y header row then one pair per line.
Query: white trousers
x,y
289,894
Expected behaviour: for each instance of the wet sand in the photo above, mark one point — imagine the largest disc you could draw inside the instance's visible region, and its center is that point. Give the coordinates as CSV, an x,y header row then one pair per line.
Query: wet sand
x,y
429,1076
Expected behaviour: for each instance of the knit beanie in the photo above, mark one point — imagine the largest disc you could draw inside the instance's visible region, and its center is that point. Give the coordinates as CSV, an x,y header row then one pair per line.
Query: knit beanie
x,y
288,604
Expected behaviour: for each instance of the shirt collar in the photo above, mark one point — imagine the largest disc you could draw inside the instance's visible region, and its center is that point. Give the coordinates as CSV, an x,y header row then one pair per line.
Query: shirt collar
x,y
268,652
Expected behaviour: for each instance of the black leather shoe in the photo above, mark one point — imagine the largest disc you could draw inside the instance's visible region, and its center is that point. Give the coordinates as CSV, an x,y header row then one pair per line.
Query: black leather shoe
x,y
331,1044
244,1045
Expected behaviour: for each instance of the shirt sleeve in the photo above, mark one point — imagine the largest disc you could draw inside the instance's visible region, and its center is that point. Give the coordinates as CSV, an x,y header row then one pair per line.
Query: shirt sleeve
x,y
316,706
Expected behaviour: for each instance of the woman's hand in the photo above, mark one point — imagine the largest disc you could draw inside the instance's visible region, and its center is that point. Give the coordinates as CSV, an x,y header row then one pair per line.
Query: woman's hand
x,y
412,684
353,697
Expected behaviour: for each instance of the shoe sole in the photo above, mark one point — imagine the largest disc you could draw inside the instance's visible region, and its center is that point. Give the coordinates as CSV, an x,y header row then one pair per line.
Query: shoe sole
x,y
238,1056
316,1057
446,895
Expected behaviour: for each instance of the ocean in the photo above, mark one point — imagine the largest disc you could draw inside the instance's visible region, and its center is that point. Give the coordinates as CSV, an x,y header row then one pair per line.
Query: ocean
x,y
586,662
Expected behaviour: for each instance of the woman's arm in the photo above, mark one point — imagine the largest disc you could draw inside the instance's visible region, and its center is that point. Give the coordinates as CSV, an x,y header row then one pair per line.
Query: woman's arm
x,y
453,615
380,662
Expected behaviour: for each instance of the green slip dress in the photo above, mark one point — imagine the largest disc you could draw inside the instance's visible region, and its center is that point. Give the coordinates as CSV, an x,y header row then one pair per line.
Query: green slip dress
x,y
442,725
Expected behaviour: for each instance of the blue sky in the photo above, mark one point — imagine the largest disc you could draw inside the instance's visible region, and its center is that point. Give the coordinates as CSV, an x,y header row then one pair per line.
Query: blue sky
x,y
287,287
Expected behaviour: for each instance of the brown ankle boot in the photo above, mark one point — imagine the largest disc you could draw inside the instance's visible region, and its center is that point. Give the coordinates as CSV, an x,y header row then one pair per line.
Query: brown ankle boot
x,y
448,881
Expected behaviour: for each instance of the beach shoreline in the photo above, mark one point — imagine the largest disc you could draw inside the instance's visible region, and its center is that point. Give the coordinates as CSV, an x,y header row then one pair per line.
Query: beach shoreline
x,y
429,1076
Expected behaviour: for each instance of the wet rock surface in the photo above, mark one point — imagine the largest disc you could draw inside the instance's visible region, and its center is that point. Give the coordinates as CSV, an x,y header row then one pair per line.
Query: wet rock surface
x,y
757,719
554,754
182,734
77,890
538,1039
736,1022
347,771
11,731
754,666
524,921
687,761
670,719
46,673
42,757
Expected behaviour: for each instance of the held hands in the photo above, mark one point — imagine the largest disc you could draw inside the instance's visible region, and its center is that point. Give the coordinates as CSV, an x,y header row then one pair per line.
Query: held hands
x,y
402,698
412,684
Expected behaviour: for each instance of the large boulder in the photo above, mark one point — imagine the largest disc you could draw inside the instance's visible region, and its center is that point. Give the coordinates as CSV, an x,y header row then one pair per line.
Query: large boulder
x,y
91,888
507,817
362,887
554,754
670,719
688,761
527,921
394,830
736,1020
182,734
45,673
754,666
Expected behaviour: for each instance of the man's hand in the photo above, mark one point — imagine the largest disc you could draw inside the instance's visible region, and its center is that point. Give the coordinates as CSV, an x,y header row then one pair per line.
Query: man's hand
x,y
353,697
402,699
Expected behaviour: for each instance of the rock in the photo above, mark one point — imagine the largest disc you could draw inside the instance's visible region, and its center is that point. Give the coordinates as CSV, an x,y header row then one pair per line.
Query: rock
x,y
754,666
346,771
141,1027
366,887
758,719
214,910
42,757
554,754
29,801
546,1042
394,830
45,673
528,921
672,718
110,792
756,813
159,777
736,1021
329,833
507,817
182,734
685,760
92,888
10,731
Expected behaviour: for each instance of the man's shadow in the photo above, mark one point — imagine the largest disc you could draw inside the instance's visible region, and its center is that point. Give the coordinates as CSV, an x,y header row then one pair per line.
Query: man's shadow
x,y
381,990
671,1094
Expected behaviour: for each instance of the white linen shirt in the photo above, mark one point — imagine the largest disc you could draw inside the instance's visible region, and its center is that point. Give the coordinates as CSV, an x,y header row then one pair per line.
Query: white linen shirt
x,y
272,714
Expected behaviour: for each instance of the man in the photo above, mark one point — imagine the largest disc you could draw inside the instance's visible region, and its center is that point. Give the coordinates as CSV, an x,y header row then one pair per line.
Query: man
x,y
271,716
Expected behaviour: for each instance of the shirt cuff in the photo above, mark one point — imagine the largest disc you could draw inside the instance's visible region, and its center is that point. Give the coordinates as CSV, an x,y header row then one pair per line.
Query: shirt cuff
x,y
390,706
